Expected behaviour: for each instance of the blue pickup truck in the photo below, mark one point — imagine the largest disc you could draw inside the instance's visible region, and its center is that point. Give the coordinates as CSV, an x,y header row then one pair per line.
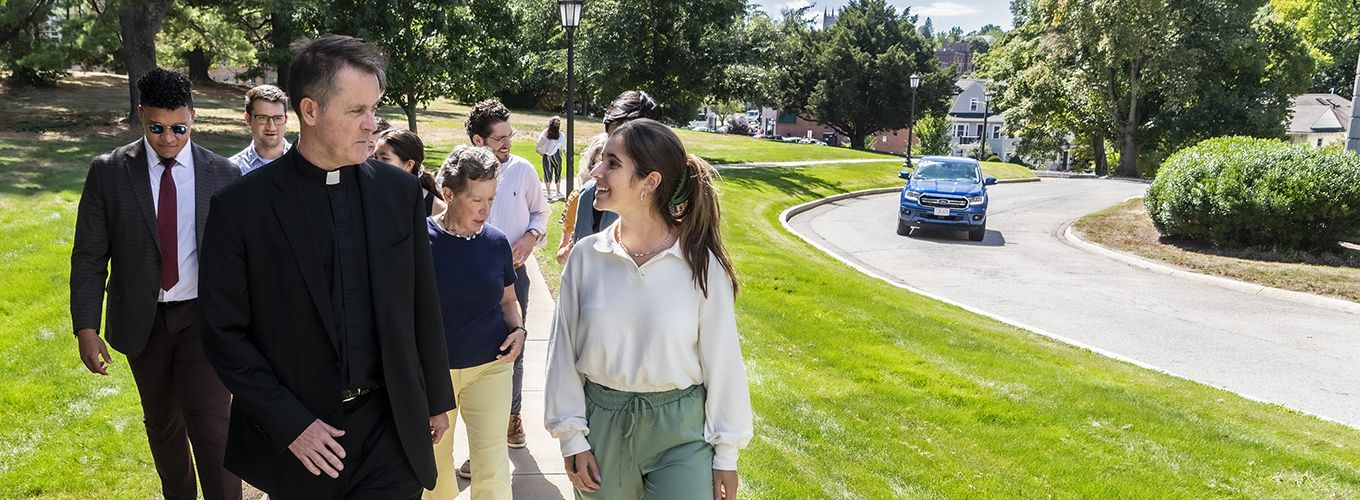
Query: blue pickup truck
x,y
945,192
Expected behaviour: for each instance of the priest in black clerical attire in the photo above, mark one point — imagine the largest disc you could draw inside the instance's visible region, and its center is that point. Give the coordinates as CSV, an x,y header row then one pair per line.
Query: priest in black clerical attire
x,y
319,302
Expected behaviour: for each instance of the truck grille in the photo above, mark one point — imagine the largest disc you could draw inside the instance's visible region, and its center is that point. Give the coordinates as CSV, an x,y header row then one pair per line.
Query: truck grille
x,y
941,201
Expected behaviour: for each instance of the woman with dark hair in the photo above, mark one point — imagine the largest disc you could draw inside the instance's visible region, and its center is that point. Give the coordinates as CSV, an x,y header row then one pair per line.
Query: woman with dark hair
x,y
403,149
589,156
589,218
475,276
550,147
646,389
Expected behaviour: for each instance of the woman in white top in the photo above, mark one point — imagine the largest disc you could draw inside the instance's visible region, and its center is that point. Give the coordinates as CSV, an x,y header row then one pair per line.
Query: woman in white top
x,y
550,147
646,388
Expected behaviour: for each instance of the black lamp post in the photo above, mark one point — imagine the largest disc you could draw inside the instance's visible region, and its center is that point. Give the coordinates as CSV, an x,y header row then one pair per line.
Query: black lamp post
x,y
571,18
911,125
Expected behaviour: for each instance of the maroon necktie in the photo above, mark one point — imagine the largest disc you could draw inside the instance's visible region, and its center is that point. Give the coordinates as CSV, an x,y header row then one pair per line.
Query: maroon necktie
x,y
166,224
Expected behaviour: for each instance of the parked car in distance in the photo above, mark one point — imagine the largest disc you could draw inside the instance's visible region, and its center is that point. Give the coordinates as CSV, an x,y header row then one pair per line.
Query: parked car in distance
x,y
944,192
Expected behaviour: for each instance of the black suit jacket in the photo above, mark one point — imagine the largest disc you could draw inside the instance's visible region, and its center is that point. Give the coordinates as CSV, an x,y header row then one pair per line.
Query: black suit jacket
x,y
116,241
269,325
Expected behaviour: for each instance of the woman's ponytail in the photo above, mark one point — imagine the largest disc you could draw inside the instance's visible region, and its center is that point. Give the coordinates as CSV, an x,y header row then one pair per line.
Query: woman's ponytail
x,y
695,210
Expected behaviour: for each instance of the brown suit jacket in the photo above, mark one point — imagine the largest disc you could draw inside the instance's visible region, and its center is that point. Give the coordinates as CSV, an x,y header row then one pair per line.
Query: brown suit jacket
x,y
116,244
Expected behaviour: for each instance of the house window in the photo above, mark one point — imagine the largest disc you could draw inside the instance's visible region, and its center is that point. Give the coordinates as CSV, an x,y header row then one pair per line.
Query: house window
x,y
996,131
979,131
960,130
1319,142
972,104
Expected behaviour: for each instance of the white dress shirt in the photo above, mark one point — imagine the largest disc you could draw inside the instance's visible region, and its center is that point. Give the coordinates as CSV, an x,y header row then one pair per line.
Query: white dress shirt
x,y
520,204
645,329
183,174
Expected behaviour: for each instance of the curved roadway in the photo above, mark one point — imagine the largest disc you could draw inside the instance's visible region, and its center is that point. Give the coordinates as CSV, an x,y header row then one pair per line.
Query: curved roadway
x,y
1301,356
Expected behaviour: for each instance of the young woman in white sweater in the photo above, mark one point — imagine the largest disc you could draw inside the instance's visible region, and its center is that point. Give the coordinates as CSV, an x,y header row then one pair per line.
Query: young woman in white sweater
x,y
646,387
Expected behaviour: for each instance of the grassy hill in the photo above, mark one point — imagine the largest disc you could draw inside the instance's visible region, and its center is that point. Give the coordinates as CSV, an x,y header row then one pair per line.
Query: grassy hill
x,y
861,389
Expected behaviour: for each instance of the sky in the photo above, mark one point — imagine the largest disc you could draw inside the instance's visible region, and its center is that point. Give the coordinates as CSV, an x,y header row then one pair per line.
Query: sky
x,y
967,14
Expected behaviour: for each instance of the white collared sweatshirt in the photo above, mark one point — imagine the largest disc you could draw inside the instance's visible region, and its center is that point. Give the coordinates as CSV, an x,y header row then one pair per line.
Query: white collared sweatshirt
x,y
645,329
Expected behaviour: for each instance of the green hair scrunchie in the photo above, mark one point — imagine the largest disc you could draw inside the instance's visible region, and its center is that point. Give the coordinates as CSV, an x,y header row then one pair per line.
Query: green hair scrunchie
x,y
682,192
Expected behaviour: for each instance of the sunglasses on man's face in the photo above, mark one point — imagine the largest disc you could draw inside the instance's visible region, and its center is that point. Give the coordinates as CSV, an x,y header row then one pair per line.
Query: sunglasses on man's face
x,y
158,129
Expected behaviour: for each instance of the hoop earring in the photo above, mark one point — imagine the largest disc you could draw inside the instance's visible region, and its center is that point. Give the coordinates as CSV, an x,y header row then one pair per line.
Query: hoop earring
x,y
643,196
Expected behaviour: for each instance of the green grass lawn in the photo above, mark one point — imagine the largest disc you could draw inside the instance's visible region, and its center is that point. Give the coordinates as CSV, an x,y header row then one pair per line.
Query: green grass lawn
x,y
864,390
861,390
1006,171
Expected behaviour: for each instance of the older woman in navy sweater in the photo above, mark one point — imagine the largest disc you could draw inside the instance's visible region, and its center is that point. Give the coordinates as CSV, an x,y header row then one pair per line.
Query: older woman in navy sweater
x,y
475,275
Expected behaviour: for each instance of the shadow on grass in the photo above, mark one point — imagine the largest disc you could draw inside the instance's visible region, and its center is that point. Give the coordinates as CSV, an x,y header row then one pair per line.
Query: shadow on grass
x,y
1335,255
55,163
790,181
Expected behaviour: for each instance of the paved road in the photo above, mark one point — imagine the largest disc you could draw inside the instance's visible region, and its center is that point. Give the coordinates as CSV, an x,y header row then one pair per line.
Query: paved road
x,y
1300,356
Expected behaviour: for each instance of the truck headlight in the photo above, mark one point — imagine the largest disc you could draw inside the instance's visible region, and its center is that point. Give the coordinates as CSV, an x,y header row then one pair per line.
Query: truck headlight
x,y
977,200
912,195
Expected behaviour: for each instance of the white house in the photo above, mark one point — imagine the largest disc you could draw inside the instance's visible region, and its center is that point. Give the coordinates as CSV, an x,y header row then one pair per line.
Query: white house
x,y
1319,119
966,121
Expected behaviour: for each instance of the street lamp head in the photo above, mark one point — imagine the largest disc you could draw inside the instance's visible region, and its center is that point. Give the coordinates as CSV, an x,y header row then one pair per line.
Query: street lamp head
x,y
915,80
571,12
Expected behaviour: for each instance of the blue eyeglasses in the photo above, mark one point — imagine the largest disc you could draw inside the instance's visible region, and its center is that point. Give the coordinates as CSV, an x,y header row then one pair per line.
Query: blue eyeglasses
x,y
158,129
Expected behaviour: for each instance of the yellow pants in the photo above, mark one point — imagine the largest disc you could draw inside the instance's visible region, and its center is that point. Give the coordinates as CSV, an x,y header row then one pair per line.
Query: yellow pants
x,y
483,397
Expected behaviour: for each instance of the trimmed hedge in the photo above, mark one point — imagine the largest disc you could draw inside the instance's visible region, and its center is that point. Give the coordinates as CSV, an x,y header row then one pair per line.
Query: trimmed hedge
x,y
1243,192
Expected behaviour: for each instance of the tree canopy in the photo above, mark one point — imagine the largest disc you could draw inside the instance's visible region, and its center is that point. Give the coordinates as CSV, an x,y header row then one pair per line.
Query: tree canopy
x,y
854,76
1152,75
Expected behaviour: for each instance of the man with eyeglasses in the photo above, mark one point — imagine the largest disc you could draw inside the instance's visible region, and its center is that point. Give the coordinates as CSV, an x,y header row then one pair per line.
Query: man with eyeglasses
x,y
521,212
267,116
138,232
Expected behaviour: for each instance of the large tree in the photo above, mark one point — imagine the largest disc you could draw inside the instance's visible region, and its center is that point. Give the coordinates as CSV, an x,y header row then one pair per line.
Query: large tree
x,y
1155,74
31,56
670,49
139,22
204,36
854,77
435,49
1331,30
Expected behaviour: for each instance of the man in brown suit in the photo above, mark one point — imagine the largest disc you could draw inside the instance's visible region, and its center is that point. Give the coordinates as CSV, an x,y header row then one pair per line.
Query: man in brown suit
x,y
138,232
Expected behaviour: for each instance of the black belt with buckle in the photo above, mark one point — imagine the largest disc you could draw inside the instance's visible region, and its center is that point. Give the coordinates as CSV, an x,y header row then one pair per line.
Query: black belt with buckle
x,y
174,303
349,395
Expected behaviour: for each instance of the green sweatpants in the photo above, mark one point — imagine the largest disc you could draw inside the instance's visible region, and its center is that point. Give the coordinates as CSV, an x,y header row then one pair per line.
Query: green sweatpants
x,y
649,444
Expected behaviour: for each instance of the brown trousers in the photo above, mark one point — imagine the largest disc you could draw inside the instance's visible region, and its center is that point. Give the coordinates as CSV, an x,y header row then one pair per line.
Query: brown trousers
x,y
184,402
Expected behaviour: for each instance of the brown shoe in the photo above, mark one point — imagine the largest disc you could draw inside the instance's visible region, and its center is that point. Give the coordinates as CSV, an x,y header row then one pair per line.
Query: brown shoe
x,y
465,471
514,437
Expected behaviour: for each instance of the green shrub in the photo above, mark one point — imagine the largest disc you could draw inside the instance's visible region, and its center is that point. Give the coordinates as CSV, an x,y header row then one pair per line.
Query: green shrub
x,y
993,157
1243,192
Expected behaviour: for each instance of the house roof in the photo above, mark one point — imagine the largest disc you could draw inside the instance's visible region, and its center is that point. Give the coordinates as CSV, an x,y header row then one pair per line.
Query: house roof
x,y
1319,113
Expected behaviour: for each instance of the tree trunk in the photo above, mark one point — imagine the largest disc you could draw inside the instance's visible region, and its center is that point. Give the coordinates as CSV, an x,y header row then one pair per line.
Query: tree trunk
x,y
410,108
198,65
857,141
1098,150
280,35
1128,152
139,22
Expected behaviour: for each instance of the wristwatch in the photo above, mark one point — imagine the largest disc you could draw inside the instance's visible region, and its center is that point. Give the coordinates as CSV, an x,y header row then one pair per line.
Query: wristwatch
x,y
538,235
513,330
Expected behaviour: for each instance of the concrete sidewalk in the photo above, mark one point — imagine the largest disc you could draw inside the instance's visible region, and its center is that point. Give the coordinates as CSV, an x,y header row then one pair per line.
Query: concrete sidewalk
x,y
536,470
